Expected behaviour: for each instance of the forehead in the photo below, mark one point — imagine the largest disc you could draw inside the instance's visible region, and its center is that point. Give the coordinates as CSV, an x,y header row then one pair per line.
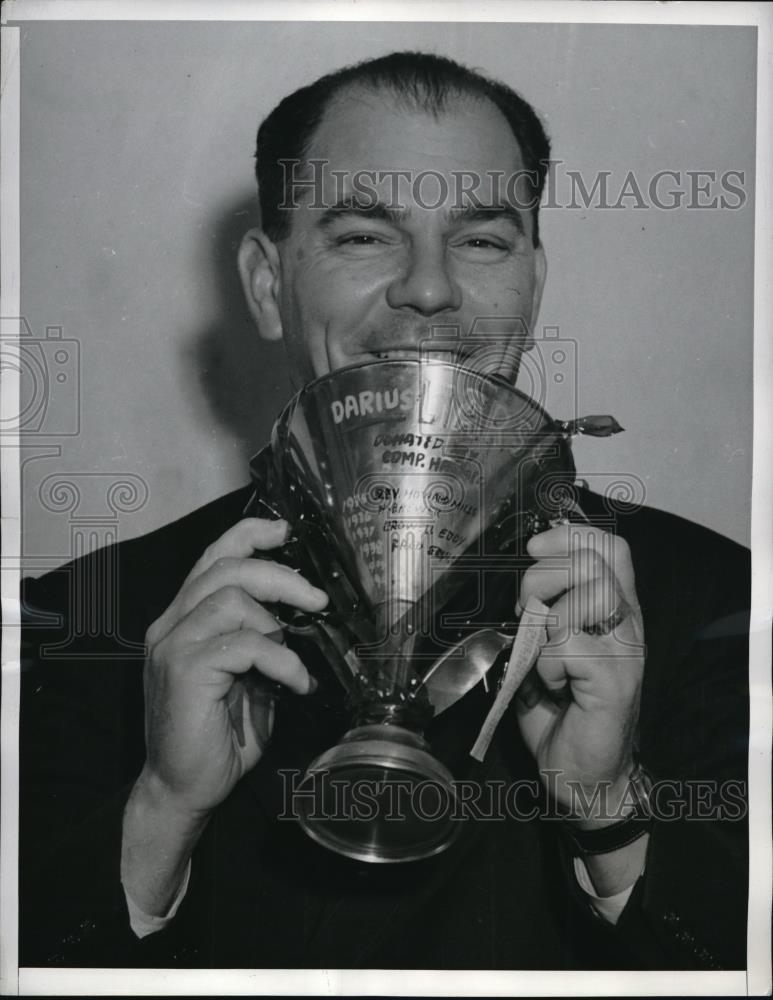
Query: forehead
x,y
367,130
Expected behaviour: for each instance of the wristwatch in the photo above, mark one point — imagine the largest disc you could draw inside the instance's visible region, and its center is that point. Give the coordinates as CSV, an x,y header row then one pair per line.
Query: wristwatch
x,y
584,843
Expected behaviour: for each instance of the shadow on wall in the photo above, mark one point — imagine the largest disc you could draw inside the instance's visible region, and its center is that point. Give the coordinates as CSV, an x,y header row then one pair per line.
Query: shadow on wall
x,y
243,378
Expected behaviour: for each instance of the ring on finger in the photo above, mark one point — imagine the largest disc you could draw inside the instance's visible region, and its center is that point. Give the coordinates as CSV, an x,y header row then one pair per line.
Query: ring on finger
x,y
608,624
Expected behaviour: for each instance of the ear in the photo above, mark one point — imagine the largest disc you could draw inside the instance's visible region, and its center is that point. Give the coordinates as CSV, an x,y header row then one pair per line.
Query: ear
x,y
540,274
260,271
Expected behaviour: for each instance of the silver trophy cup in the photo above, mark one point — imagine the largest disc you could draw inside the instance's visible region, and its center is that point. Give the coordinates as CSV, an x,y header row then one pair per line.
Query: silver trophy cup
x,y
396,475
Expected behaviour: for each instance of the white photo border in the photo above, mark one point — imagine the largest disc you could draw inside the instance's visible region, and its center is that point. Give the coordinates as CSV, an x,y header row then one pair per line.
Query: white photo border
x,y
757,978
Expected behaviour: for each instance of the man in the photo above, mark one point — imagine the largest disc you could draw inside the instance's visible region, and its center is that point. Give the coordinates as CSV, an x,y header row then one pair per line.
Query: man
x,y
167,847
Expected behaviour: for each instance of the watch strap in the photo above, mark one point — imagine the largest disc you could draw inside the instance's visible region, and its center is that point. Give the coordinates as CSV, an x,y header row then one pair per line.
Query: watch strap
x,y
609,838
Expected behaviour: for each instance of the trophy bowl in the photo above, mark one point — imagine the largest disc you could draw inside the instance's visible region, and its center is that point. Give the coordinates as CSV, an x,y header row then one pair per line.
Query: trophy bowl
x,y
397,476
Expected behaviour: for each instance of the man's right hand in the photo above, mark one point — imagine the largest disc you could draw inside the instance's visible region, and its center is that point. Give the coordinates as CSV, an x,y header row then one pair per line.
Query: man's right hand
x,y
214,631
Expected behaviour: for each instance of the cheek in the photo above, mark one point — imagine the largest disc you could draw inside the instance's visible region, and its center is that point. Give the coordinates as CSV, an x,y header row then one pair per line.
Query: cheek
x,y
504,293
323,307
333,295
305,302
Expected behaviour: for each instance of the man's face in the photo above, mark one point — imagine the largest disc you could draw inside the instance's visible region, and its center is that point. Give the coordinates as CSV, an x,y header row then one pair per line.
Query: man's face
x,y
356,283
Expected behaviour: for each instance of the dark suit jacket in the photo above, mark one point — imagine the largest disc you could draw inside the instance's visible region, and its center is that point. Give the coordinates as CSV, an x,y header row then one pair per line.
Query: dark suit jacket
x,y
263,895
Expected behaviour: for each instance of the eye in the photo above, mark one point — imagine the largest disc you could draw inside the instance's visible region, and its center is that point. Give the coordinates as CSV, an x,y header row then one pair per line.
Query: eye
x,y
358,240
482,247
484,243
366,242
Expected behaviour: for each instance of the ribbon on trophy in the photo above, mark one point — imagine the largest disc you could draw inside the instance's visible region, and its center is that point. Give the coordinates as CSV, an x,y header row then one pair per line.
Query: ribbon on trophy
x,y
529,640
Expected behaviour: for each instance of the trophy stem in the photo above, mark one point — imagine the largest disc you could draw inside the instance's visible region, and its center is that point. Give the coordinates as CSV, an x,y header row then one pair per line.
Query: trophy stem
x,y
408,714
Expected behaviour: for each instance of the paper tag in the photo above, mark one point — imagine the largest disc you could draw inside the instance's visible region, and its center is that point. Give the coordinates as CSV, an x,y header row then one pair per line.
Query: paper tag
x,y
529,640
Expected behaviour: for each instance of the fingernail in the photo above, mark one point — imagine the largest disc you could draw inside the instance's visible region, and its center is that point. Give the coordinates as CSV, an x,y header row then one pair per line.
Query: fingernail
x,y
313,684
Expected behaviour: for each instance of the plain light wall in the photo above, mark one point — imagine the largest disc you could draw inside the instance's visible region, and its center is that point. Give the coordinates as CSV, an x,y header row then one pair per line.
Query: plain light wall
x,y
137,142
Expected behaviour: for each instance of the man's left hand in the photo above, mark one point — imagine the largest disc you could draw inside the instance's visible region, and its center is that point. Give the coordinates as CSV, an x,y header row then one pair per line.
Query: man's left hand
x,y
579,708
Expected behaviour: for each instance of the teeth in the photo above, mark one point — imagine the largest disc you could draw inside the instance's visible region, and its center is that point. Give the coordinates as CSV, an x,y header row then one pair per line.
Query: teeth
x,y
397,355
427,355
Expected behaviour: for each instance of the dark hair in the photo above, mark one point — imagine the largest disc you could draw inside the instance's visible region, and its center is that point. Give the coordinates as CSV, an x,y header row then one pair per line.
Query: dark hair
x,y
423,80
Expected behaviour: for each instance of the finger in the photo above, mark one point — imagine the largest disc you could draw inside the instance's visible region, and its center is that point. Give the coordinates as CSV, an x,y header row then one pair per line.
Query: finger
x,y
572,670
613,549
261,579
543,695
548,578
536,716
561,539
226,610
236,653
551,669
530,690
252,534
587,604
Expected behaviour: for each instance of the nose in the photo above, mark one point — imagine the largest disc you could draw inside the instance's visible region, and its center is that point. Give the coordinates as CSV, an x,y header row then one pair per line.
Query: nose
x,y
425,284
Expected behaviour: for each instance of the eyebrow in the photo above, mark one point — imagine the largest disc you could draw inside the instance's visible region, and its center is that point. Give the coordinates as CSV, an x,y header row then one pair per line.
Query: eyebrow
x,y
383,212
487,213
367,209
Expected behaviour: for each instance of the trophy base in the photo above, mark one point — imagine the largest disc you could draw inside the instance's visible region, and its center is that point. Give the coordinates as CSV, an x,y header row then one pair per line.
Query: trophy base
x,y
380,796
